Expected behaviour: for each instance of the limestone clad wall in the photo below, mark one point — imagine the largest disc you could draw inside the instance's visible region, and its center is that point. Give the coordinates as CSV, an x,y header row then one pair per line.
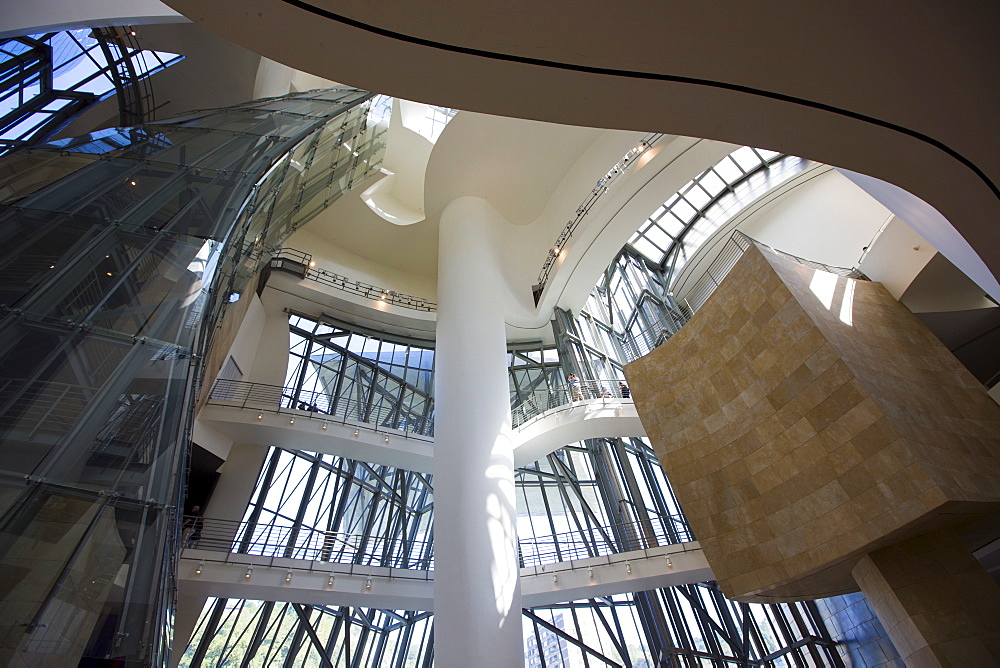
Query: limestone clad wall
x,y
937,603
805,419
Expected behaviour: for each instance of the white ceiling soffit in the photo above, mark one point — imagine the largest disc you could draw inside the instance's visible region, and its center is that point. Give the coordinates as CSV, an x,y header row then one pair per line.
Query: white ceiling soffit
x,y
25,18
824,81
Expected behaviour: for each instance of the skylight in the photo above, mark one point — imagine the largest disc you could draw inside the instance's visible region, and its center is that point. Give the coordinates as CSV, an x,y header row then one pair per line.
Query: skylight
x,y
47,79
706,197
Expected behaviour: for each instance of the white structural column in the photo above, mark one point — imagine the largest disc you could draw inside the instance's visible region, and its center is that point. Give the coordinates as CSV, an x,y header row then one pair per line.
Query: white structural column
x,y
477,596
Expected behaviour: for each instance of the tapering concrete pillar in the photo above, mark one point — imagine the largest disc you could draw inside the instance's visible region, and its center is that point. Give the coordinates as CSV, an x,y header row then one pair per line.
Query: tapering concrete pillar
x,y
477,600
937,603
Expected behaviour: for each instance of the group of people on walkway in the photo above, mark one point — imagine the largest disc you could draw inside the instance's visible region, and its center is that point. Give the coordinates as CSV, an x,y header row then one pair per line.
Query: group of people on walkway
x,y
577,389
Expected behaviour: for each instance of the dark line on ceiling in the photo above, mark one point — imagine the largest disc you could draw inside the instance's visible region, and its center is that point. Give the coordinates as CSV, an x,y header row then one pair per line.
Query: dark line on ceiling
x,y
651,76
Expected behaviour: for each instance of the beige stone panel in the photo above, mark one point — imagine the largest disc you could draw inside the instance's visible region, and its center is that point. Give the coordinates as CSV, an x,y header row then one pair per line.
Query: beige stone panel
x,y
800,433
938,605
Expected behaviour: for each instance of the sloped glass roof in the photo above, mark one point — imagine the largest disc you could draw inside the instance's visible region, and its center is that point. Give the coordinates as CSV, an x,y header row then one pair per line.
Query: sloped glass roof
x,y
48,78
712,196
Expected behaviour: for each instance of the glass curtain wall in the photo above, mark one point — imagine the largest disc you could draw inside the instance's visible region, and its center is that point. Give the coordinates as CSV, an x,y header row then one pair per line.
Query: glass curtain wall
x,y
603,496
251,634
534,370
364,377
329,508
633,307
595,497
48,79
118,254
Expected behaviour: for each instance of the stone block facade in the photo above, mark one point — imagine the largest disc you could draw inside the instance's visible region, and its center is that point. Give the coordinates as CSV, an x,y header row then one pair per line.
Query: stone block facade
x,y
805,419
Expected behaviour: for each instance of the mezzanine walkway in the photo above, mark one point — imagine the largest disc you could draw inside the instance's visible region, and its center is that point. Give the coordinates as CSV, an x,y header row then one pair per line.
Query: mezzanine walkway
x,y
254,413
231,559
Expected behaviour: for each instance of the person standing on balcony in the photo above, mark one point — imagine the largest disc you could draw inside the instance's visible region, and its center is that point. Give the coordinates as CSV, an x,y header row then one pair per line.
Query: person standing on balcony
x,y
574,385
625,392
192,526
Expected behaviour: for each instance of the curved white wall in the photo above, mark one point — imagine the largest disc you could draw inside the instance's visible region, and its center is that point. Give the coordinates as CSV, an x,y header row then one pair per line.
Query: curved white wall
x,y
824,218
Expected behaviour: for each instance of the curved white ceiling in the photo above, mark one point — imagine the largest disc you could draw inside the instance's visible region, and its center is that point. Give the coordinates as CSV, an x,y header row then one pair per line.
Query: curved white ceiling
x,y
907,95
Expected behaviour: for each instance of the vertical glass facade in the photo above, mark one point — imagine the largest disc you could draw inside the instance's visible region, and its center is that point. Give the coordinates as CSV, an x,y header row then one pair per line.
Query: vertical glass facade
x,y
120,252
358,376
333,509
596,497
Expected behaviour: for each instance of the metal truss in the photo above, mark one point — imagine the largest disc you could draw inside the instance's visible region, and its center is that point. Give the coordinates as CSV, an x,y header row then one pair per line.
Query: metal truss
x,y
47,80
236,632
300,494
330,364
120,253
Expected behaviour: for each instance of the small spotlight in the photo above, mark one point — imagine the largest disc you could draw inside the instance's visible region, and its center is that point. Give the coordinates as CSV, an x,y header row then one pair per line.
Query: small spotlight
x,y
291,420
249,572
198,570
131,183
312,263
368,583
288,576
387,439
260,416
590,572
628,568
356,432
670,564
555,579
108,273
329,580
324,426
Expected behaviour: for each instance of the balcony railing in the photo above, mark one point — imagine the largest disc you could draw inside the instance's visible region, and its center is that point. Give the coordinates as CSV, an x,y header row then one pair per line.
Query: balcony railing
x,y
604,541
543,400
306,543
638,345
338,547
382,416
302,264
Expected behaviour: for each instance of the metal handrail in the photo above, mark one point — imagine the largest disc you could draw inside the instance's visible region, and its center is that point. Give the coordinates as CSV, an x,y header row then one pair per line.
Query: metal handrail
x,y
310,544
541,401
322,406
638,345
306,543
617,170
606,540
302,264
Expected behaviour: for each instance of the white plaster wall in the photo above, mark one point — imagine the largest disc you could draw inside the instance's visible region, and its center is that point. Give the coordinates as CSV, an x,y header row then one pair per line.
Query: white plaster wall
x,y
239,476
271,352
896,257
273,79
247,339
826,218
330,257
211,439
21,17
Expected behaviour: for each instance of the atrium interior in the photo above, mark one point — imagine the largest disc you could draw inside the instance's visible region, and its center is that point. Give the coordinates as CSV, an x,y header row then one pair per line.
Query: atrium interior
x,y
581,360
